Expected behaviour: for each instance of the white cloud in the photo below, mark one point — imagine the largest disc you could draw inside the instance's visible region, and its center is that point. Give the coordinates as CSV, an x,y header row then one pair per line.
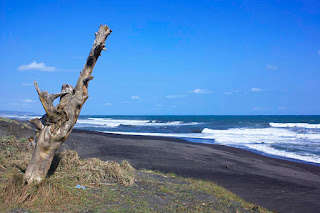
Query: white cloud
x,y
36,66
175,96
201,91
108,104
256,90
135,97
272,67
27,101
126,102
231,92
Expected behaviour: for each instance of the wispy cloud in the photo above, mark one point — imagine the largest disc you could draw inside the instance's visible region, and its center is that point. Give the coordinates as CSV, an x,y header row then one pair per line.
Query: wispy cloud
x,y
108,104
175,96
231,92
201,91
272,67
28,101
256,90
36,66
134,97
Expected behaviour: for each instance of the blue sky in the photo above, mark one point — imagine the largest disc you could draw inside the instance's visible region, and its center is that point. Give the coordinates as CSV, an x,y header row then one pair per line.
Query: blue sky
x,y
166,57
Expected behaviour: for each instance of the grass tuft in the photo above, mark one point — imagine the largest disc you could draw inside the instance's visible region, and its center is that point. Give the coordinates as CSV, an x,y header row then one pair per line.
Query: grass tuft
x,y
67,171
46,195
93,170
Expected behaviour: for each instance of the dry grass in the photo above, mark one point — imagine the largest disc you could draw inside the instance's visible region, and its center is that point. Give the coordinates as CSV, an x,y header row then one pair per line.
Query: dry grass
x,y
15,153
93,170
48,194
67,171
9,120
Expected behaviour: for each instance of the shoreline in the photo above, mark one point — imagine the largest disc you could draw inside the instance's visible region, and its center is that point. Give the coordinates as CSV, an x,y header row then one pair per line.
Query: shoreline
x,y
193,140
282,155
186,142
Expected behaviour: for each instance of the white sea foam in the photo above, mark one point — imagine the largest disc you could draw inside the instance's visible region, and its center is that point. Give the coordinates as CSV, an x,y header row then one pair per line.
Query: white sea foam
x,y
272,151
174,135
238,136
20,117
262,139
292,125
109,122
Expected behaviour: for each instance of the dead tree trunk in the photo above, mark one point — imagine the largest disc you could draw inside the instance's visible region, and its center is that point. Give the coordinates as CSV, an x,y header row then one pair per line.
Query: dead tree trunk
x,y
55,127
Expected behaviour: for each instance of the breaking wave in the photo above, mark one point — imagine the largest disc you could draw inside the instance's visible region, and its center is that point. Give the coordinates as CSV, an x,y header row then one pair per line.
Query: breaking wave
x,y
292,125
108,122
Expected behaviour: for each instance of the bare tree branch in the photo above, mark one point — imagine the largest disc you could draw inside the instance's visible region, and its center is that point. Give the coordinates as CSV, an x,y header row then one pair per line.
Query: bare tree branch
x,y
55,127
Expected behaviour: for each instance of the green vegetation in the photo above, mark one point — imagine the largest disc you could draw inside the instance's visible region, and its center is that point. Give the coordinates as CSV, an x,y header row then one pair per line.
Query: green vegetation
x,y
23,125
111,187
8,120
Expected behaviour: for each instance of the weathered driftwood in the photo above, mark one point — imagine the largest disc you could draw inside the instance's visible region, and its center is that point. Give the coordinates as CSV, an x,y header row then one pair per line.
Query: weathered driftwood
x,y
56,125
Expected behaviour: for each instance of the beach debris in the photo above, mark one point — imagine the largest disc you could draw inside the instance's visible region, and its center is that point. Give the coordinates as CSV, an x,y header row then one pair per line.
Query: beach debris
x,y
2,169
255,208
80,187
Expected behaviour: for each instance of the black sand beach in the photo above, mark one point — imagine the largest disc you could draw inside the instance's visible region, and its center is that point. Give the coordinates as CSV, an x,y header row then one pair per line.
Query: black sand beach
x,y
272,183
276,184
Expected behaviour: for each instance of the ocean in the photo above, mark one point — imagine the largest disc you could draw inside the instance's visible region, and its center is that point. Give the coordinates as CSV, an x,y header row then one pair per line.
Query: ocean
x,y
295,138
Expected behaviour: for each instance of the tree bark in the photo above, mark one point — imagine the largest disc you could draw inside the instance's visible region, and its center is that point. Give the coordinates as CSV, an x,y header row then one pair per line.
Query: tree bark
x,y
56,125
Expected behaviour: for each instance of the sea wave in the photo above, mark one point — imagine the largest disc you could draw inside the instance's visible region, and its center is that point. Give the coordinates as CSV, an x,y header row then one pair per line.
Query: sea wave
x,y
292,125
248,136
21,117
259,135
282,153
109,122
208,138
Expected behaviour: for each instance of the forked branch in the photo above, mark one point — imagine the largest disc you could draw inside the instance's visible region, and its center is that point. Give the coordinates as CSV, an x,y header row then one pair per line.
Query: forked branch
x,y
47,99
55,127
